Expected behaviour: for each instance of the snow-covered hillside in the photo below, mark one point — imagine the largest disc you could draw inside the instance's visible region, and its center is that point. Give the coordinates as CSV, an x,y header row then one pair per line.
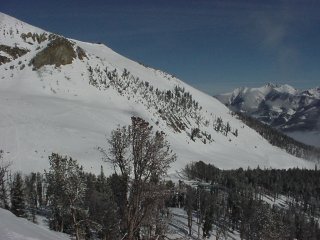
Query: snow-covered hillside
x,y
295,112
14,228
66,96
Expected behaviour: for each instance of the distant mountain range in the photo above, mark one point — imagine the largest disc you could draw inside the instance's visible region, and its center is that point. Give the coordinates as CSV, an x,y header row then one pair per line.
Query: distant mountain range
x,y
292,111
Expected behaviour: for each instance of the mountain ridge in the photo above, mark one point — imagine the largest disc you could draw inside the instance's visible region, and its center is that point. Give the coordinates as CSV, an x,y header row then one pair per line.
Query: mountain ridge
x,y
71,108
281,106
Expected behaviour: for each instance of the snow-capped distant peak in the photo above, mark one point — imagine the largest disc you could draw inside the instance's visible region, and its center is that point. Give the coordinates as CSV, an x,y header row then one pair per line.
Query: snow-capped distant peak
x,y
282,88
270,85
286,89
281,106
314,92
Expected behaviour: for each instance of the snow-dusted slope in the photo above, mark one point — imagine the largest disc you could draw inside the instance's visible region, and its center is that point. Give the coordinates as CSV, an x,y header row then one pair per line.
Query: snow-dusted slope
x,y
14,228
71,108
295,112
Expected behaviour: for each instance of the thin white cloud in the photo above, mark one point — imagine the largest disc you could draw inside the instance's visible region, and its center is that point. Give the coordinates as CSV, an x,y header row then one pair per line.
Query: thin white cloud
x,y
275,30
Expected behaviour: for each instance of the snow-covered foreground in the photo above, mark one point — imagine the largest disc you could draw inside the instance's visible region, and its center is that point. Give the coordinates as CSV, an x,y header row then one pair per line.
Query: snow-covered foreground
x,y
56,109
14,228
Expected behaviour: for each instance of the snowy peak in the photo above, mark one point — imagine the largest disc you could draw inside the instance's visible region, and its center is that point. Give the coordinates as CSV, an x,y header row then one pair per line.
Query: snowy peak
x,y
286,89
313,92
66,96
19,38
281,106
266,89
249,99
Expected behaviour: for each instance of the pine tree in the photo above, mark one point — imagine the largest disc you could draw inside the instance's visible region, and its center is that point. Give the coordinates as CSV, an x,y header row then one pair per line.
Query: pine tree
x,y
194,133
104,212
189,206
31,194
4,169
39,181
66,191
208,222
18,206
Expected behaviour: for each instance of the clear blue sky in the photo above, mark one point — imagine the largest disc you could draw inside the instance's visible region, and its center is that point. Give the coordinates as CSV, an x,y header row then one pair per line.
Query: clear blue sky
x,y
213,45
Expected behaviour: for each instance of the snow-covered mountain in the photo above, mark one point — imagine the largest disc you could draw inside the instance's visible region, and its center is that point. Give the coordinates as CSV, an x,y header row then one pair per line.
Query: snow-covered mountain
x,y
66,96
295,112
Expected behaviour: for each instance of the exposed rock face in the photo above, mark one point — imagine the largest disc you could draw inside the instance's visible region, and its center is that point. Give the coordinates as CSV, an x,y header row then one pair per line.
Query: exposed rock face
x,y
4,60
60,51
14,52
81,53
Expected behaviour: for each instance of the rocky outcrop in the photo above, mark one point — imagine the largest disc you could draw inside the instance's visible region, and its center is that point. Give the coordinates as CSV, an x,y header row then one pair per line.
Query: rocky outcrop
x,y
60,51
81,53
4,60
14,52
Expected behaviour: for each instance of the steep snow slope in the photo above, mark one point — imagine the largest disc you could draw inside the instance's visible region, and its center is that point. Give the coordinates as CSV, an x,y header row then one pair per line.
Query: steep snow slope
x,y
72,108
295,112
14,228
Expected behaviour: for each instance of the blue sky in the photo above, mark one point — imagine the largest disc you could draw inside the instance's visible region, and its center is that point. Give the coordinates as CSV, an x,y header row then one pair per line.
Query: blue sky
x,y
215,46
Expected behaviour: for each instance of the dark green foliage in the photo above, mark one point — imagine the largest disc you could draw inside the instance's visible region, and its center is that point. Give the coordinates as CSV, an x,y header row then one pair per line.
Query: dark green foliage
x,y
103,218
194,133
31,194
4,185
89,206
208,222
190,205
118,186
18,206
39,180
238,200
66,190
